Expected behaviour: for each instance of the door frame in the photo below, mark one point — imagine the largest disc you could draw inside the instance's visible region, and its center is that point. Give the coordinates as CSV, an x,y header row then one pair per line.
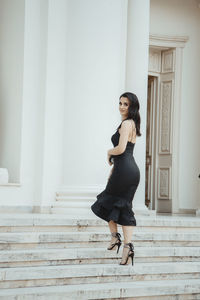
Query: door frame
x,y
163,42
151,172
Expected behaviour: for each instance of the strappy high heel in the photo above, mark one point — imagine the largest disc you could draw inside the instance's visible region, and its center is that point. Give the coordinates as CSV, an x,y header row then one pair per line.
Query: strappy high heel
x,y
129,254
118,242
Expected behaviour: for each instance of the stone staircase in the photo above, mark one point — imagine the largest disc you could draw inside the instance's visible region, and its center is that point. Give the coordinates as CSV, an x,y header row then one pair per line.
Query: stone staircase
x,y
57,256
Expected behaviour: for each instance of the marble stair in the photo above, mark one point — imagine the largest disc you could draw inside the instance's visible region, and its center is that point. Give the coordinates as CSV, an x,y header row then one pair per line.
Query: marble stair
x,y
51,256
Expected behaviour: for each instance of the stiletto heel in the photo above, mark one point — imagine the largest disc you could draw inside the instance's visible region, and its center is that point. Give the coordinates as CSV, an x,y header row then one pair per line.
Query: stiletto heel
x,y
118,243
130,253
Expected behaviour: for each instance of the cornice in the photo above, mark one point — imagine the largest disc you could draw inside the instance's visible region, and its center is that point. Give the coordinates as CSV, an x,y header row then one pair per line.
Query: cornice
x,y
160,40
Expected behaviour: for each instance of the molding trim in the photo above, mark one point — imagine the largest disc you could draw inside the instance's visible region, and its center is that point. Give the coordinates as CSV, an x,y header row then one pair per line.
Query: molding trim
x,y
83,190
168,41
10,184
185,211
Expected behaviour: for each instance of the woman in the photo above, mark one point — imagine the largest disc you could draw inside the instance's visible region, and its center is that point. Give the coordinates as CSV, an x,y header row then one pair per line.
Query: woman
x,y
114,204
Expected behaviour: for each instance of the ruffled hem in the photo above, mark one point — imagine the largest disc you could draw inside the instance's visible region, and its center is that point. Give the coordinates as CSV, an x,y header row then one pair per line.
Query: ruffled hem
x,y
110,207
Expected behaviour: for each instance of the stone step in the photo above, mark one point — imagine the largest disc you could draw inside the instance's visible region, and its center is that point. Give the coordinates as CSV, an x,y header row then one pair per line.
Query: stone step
x,y
82,192
43,222
96,273
91,244
42,237
69,239
39,257
35,219
72,204
184,289
58,208
87,213
79,198
91,228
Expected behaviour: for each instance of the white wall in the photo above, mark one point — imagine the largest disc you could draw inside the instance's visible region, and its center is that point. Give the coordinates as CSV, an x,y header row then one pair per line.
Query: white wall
x,y
32,93
11,82
95,80
182,17
75,70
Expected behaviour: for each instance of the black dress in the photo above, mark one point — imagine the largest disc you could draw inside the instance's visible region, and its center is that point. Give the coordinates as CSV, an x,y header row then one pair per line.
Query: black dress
x,y
115,202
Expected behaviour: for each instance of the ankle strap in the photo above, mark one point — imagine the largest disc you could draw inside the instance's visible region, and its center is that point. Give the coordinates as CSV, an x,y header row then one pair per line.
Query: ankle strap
x,y
129,245
116,234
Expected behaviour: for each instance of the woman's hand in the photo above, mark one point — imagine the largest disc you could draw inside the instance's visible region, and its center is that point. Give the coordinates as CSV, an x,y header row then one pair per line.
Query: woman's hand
x,y
108,158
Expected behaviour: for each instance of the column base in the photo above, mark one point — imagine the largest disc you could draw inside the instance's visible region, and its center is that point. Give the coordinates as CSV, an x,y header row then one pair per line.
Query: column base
x,y
198,212
143,210
42,209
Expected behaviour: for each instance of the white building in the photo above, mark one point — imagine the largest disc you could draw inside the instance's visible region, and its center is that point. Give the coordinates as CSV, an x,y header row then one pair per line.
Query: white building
x,y
64,65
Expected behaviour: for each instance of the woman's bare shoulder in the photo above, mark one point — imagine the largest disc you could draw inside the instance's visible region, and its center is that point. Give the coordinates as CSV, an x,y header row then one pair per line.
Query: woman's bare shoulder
x,y
128,123
125,125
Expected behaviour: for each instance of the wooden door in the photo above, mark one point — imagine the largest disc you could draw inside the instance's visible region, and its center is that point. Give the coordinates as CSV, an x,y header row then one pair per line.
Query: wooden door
x,y
164,145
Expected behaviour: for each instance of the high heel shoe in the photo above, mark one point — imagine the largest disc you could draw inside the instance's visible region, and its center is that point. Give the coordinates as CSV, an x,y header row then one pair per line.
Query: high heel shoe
x,y
129,254
118,242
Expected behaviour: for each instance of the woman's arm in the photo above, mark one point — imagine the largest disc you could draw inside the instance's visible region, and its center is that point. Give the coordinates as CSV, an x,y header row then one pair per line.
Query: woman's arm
x,y
120,148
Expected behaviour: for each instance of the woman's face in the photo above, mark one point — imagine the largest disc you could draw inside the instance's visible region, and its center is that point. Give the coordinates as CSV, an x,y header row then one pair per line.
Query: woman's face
x,y
123,106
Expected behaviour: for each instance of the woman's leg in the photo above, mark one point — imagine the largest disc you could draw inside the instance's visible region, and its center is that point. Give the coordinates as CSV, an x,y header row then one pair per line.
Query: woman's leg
x,y
112,226
128,233
113,230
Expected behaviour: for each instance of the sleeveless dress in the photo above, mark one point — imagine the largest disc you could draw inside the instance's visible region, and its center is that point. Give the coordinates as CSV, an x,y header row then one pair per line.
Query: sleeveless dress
x,y
115,201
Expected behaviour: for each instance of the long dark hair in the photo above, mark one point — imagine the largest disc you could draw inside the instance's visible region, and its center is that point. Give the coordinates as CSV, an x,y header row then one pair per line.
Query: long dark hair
x,y
133,110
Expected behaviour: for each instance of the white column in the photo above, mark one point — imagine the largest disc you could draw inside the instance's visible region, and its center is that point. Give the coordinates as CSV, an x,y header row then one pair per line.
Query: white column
x,y
45,53
54,101
34,74
136,82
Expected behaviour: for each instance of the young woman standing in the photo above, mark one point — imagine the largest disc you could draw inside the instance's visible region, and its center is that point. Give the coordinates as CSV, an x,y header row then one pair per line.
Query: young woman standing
x,y
114,204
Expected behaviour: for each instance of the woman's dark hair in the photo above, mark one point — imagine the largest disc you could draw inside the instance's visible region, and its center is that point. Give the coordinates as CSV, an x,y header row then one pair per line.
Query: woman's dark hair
x,y
133,110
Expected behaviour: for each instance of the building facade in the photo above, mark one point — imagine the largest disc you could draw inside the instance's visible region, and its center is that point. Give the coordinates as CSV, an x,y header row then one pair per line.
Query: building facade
x,y
64,65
